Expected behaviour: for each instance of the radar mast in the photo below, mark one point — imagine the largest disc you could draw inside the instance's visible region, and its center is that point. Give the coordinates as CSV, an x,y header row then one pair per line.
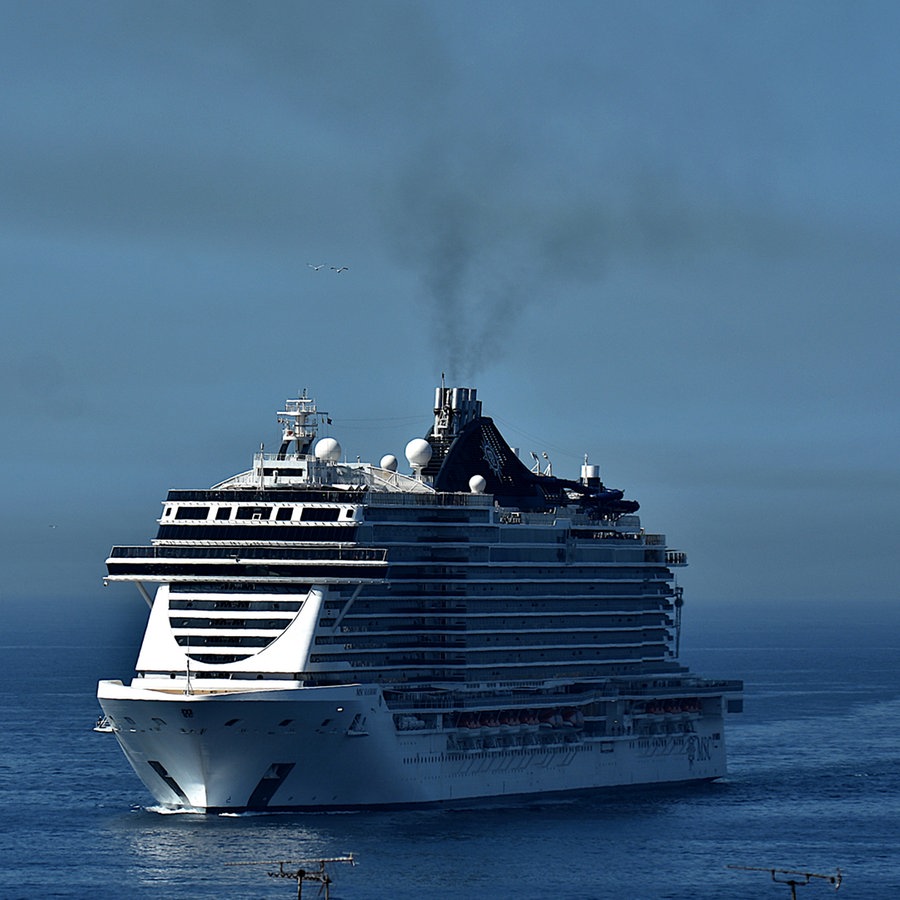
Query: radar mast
x,y
300,421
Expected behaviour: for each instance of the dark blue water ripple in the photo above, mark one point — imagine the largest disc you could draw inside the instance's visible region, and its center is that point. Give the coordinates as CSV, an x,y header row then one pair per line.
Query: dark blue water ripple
x,y
814,784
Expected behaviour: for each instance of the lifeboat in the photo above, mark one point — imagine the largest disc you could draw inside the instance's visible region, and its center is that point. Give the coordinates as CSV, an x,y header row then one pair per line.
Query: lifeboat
x,y
489,722
467,722
550,718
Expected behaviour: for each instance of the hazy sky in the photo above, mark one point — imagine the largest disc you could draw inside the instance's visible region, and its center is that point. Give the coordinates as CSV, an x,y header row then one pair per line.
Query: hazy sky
x,y
664,234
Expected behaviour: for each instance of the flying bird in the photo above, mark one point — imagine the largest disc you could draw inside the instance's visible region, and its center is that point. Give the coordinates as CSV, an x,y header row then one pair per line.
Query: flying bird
x,y
316,268
341,269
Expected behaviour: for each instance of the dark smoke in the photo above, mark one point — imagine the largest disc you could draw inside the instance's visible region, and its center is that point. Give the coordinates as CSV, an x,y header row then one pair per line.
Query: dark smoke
x,y
491,239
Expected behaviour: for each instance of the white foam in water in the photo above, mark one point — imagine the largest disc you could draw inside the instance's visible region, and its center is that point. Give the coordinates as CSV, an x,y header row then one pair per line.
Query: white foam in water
x,y
168,811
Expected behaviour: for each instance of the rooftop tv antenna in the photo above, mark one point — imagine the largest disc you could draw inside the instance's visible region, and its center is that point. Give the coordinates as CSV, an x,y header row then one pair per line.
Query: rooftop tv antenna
x,y
793,879
311,870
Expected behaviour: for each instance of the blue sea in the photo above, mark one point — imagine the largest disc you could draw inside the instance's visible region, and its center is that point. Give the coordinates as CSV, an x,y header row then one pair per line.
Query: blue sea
x,y
814,785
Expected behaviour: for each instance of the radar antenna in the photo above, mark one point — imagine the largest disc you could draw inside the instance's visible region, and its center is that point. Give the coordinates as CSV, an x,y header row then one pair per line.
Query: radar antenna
x,y
792,878
536,468
300,419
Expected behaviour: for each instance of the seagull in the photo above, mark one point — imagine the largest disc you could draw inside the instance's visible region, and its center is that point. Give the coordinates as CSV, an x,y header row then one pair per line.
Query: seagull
x,y
316,268
341,269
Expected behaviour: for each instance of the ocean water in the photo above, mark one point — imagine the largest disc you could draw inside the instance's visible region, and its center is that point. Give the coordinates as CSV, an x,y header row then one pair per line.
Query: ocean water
x,y
814,785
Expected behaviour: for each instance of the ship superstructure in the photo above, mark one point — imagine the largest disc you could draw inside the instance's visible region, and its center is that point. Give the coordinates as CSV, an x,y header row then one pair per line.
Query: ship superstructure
x,y
332,634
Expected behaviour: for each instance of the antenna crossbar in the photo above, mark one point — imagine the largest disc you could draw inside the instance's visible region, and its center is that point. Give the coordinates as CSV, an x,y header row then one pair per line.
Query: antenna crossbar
x,y
306,870
793,878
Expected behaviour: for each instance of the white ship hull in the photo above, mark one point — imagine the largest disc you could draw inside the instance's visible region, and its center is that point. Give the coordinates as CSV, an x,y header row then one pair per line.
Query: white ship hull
x,y
298,750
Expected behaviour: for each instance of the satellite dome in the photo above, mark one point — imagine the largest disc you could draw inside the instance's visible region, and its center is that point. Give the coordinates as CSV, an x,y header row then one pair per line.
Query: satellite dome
x,y
389,462
328,449
418,452
477,484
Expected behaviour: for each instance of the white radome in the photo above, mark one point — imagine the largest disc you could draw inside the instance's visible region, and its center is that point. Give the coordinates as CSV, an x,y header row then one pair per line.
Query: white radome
x,y
389,462
328,449
418,452
477,484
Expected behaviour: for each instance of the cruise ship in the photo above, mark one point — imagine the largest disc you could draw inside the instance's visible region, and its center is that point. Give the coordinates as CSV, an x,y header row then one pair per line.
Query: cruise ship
x,y
325,634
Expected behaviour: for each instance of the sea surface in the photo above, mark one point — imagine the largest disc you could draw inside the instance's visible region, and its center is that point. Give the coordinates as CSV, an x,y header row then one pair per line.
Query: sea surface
x,y
814,785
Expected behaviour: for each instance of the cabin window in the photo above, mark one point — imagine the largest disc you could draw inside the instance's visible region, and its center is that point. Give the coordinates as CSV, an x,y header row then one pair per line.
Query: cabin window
x,y
320,514
192,512
284,514
254,512
223,512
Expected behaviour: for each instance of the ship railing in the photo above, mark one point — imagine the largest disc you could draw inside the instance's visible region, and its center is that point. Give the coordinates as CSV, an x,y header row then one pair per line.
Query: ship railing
x,y
317,494
417,643
456,628
527,700
688,686
514,700
229,551
603,534
436,499
509,516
